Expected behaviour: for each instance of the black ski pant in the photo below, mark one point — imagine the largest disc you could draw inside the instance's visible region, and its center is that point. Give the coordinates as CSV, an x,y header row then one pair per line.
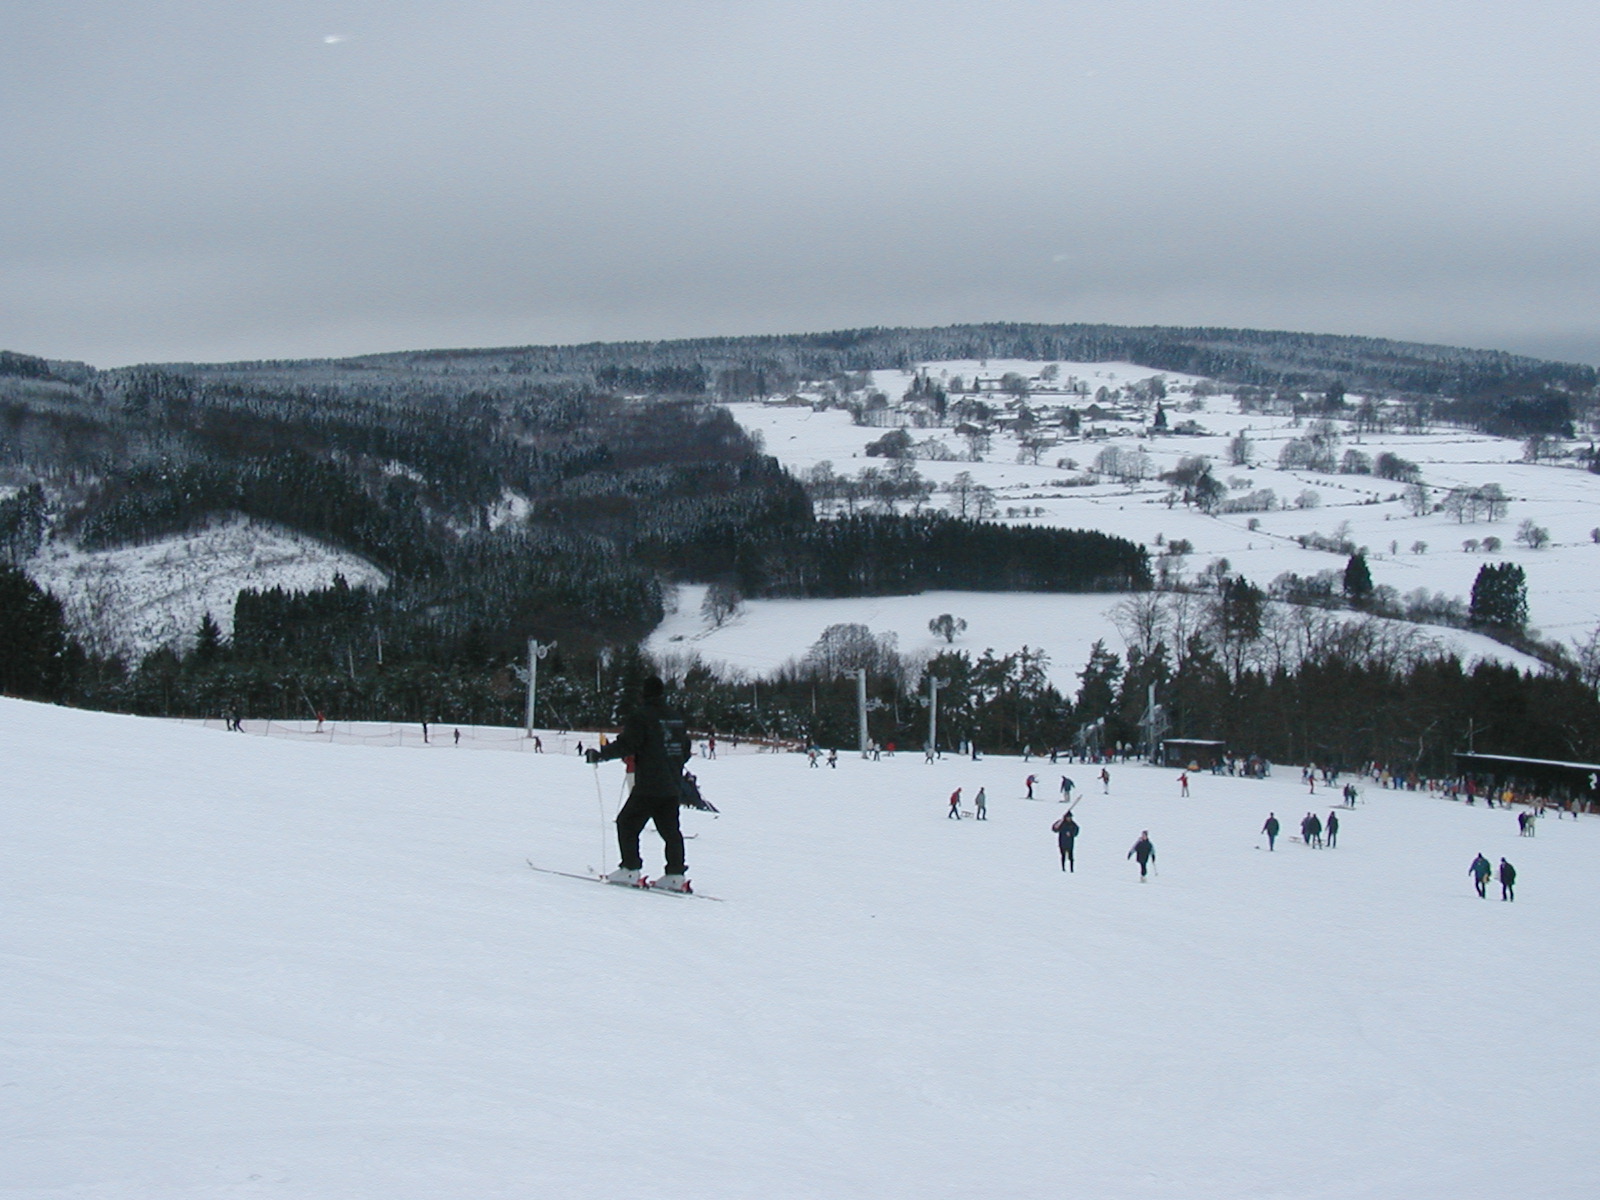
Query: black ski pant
x,y
635,815
1481,882
1508,891
1067,862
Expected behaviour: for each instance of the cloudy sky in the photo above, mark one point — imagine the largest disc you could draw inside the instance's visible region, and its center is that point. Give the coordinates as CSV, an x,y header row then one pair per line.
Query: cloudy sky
x,y
187,179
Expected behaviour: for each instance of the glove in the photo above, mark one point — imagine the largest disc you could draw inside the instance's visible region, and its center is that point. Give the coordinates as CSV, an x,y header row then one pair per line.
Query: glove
x,y
592,757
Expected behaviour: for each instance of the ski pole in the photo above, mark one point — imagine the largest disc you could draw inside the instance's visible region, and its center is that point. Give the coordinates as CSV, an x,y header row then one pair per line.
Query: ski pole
x,y
600,801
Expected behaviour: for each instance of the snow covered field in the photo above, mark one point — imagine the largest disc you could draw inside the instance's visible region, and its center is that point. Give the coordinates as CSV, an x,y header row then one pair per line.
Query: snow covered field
x,y
249,967
767,634
1406,552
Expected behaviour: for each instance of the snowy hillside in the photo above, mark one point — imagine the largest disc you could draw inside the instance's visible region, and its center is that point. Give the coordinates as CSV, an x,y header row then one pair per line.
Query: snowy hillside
x,y
237,966
1438,552
138,598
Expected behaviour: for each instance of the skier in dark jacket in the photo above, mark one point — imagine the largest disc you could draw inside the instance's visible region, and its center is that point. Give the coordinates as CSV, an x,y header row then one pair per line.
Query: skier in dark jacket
x,y
655,738
1480,870
1508,881
1271,830
1333,830
1066,836
1144,850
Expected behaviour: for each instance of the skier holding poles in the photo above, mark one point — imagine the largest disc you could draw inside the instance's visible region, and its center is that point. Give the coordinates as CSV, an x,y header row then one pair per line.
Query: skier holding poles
x,y
655,737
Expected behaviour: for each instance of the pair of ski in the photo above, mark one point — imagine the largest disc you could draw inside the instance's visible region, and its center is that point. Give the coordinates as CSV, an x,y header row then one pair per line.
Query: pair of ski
x,y
595,877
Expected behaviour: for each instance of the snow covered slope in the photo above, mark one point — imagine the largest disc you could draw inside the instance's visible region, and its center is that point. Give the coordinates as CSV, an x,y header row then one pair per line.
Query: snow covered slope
x,y
138,598
247,967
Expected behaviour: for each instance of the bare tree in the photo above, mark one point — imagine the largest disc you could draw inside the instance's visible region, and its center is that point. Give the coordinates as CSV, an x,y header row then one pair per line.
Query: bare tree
x,y
1587,654
723,601
1142,620
1534,537
1416,498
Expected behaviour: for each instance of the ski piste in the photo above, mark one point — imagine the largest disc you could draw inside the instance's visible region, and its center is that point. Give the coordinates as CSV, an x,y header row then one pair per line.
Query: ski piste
x,y
595,877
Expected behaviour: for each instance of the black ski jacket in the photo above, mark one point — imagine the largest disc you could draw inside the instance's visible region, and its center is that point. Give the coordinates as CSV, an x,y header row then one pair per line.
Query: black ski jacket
x,y
658,742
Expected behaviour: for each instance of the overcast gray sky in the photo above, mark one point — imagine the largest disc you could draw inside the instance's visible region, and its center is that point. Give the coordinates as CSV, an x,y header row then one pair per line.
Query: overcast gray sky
x,y
187,179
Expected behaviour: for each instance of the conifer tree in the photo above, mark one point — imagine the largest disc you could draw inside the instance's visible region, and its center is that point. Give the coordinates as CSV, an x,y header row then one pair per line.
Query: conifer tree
x,y
1500,596
1357,580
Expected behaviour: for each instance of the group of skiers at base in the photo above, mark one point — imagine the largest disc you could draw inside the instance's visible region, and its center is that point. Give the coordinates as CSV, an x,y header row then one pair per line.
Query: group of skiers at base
x,y
1311,830
655,739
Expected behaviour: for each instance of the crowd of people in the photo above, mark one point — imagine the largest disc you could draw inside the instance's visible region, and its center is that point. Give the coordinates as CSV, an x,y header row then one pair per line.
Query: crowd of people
x,y
1316,833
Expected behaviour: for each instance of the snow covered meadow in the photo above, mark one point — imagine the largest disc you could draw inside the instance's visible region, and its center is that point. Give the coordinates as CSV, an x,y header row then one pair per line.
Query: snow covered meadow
x,y
765,635
241,966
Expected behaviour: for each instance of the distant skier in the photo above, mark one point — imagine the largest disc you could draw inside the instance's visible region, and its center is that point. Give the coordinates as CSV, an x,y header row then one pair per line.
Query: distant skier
x,y
955,805
1508,881
1271,830
1144,850
1066,790
1066,836
1105,780
1029,782
833,758
1333,829
655,738
1183,784
1480,870
980,805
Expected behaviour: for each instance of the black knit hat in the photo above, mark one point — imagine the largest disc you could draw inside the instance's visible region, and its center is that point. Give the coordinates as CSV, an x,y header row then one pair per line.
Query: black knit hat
x,y
652,688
